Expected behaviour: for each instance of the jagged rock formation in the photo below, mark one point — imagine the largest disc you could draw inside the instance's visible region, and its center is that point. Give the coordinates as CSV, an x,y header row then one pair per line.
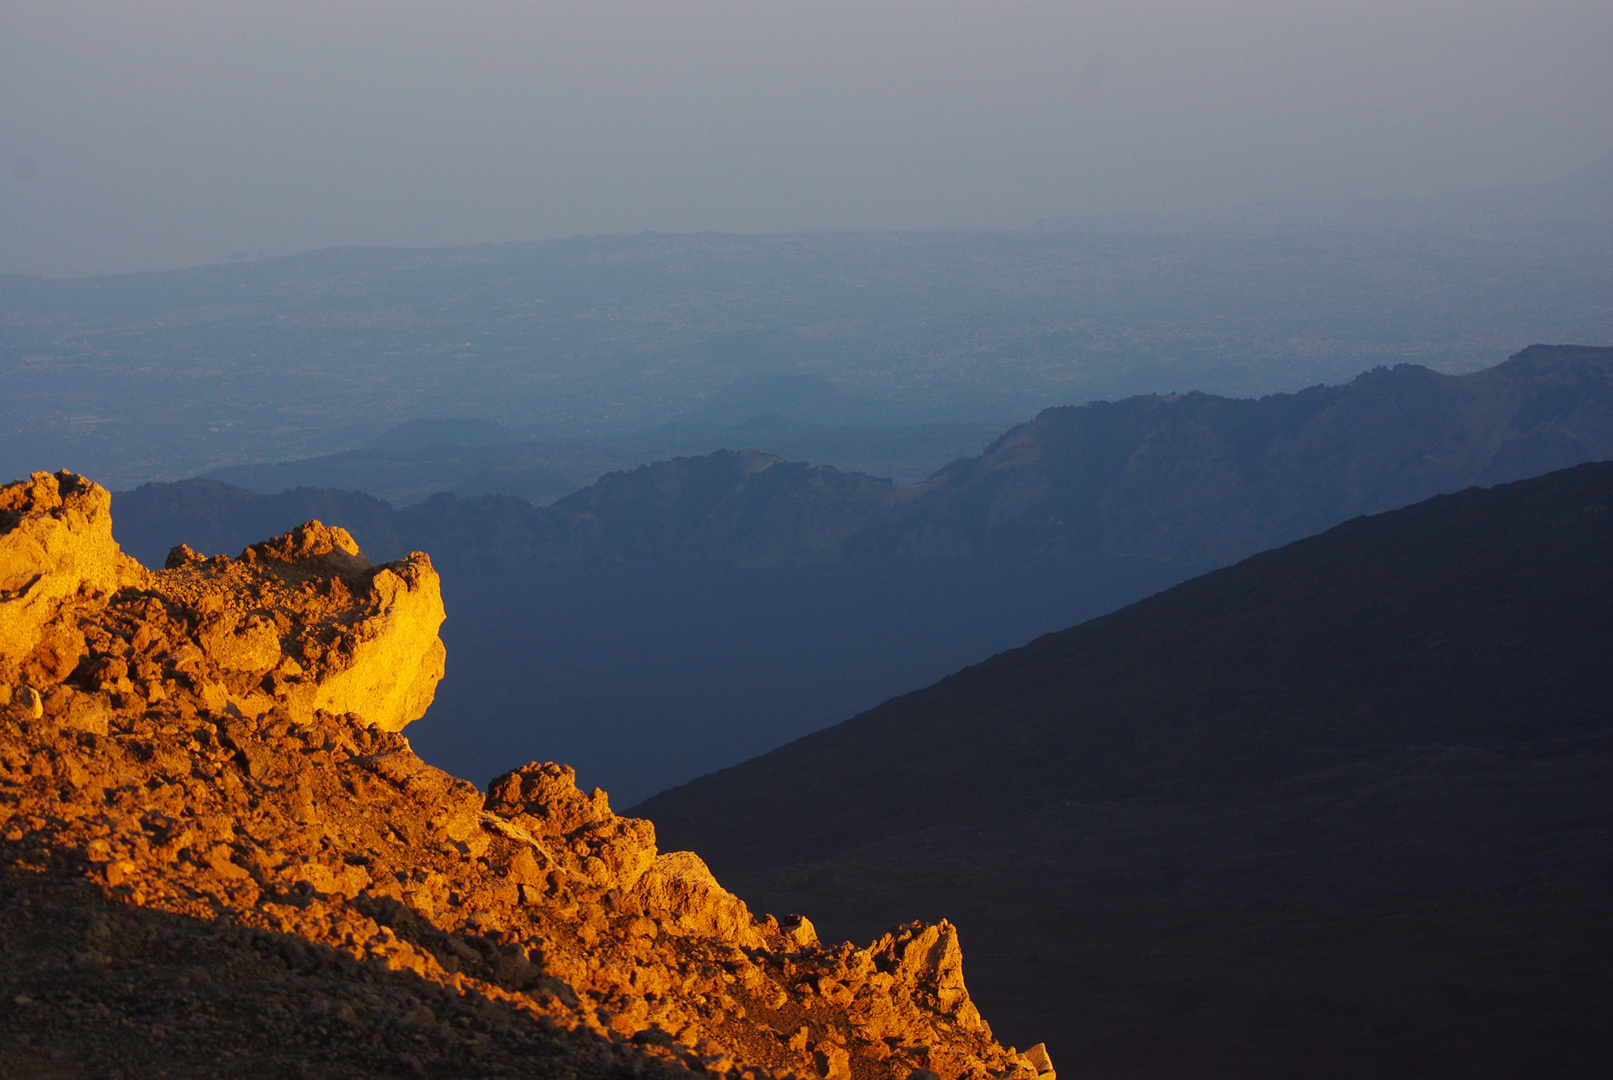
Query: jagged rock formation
x,y
55,544
202,764
302,622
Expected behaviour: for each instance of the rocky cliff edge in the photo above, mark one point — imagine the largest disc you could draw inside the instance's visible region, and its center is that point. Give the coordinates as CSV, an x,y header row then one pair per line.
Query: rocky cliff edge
x,y
208,816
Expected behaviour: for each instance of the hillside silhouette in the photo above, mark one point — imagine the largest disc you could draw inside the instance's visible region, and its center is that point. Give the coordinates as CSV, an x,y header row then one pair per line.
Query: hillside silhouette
x,y
1184,478
1341,809
703,610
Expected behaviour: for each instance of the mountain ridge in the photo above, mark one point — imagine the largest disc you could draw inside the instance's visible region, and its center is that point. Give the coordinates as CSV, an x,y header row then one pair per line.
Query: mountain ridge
x,y
1254,596
819,594
1340,809
1193,479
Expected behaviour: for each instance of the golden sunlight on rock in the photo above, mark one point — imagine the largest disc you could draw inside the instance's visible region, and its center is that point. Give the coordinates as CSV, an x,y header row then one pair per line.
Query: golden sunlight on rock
x,y
55,546
207,757
321,626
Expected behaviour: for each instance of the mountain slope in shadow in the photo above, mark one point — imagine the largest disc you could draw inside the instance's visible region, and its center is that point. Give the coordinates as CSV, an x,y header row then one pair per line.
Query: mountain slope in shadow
x,y
1486,614
1341,809
706,609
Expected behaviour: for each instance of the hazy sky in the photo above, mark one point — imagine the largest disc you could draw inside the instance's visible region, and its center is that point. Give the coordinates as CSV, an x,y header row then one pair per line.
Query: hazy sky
x,y
152,135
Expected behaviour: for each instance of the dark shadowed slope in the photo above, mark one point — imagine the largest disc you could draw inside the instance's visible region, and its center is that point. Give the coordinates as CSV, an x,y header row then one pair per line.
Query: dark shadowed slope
x,y
1482,615
1342,810
647,673
703,610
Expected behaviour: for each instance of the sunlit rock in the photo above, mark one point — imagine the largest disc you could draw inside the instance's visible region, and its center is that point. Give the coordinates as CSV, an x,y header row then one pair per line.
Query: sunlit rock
x,y
217,740
56,549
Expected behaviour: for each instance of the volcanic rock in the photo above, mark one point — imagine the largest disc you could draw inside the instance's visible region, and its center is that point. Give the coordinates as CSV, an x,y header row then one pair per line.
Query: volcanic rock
x,y
55,546
206,869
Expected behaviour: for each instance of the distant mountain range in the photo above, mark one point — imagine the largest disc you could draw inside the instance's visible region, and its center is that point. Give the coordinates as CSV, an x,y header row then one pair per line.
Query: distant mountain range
x,y
1343,809
1190,479
1199,478
803,418
137,377
847,588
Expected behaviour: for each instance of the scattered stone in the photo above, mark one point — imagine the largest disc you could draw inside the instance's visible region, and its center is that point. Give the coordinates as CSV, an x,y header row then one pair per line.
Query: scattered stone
x,y
220,852
1037,1056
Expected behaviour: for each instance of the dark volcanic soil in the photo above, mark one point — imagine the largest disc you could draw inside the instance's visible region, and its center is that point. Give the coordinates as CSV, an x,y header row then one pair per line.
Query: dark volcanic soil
x,y
1344,809
92,988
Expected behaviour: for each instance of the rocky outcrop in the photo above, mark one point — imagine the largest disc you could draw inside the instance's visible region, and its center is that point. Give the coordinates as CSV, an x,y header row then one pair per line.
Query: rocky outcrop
x,y
219,745
325,628
568,835
300,623
679,882
56,550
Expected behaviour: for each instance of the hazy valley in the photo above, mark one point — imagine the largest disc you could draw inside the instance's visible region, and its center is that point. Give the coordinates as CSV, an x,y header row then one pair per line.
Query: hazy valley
x,y
811,541
684,616
159,376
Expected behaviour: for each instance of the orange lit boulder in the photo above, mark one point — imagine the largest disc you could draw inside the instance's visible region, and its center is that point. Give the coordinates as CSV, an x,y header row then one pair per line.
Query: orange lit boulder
x,y
680,884
305,621
302,622
56,549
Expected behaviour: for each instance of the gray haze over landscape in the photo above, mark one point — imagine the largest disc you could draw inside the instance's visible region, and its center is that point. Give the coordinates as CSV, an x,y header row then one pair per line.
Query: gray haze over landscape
x,y
1133,480
158,135
508,250
890,353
